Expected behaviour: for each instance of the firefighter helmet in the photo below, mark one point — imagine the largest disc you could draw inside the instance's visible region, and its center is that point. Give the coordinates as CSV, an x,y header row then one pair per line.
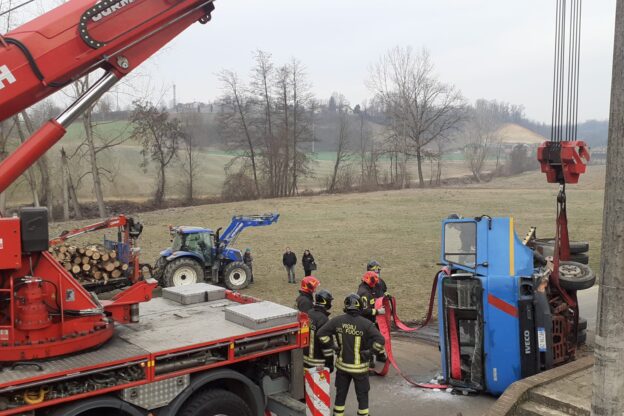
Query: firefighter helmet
x,y
324,298
309,284
371,278
352,303
373,266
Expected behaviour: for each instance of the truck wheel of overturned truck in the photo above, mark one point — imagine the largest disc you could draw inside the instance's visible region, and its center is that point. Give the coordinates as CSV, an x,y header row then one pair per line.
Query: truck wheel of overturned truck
x,y
576,247
575,276
182,272
237,275
216,402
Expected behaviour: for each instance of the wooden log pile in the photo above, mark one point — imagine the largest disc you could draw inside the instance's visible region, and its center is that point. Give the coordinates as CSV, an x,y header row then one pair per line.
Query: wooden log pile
x,y
91,264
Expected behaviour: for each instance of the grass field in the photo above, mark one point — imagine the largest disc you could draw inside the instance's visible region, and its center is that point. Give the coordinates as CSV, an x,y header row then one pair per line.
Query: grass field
x,y
401,229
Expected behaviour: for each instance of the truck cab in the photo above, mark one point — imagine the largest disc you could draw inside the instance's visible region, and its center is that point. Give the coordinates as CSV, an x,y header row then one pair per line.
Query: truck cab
x,y
488,335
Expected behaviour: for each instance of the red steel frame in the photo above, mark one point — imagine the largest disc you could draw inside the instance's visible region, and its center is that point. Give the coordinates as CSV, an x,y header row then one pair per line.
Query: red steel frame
x,y
300,329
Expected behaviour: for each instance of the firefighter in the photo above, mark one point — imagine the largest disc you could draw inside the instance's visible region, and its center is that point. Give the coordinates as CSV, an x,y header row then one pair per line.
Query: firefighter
x,y
353,332
381,289
305,300
317,355
369,292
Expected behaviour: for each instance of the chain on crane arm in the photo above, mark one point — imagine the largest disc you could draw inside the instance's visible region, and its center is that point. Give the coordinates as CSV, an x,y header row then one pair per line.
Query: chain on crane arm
x,y
564,157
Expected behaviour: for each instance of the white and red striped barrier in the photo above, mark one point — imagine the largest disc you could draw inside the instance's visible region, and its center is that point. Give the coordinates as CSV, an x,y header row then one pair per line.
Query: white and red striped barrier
x,y
317,392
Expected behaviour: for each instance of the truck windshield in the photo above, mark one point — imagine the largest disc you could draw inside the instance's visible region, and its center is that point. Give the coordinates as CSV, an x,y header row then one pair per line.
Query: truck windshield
x,y
460,243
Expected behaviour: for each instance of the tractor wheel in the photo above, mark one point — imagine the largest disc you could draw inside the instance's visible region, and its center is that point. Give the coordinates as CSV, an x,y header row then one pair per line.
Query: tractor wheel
x,y
216,402
182,272
237,275
575,276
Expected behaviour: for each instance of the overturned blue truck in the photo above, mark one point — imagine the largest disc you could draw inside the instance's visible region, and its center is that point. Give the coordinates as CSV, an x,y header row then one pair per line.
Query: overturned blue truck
x,y
503,313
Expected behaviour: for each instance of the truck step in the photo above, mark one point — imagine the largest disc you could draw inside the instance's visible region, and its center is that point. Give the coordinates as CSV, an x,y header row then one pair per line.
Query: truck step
x,y
284,404
535,409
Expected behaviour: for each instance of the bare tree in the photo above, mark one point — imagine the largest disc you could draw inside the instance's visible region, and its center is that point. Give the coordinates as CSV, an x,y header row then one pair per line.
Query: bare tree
x,y
160,138
481,134
343,153
235,121
421,108
301,132
191,124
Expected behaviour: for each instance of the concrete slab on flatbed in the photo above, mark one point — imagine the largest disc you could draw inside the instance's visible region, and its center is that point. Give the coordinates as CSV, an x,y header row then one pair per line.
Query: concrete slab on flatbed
x,y
192,294
261,315
168,325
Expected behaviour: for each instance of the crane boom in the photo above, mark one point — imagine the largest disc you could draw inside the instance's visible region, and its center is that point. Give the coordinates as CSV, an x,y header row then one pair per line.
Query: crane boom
x,y
75,39
37,59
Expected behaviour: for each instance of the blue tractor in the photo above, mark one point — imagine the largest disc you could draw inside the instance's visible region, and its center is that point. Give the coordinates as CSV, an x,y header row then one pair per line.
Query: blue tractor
x,y
502,314
200,254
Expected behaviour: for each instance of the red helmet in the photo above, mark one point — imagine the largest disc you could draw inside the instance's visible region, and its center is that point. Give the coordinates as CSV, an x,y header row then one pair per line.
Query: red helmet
x,y
370,278
309,284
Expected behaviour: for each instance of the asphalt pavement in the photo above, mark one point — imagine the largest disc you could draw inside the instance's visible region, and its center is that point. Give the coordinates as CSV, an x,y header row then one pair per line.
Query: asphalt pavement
x,y
393,396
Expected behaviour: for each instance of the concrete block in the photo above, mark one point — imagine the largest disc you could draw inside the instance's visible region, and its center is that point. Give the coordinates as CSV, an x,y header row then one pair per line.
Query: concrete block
x,y
192,294
261,315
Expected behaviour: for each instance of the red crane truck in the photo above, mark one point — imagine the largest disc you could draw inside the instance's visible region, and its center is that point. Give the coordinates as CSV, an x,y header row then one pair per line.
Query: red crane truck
x,y
63,351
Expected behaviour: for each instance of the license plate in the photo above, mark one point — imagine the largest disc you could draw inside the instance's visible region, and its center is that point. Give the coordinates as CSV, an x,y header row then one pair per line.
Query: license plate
x,y
541,339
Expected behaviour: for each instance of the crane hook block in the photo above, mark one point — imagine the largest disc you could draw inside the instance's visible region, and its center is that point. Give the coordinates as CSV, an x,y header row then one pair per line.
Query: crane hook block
x,y
563,162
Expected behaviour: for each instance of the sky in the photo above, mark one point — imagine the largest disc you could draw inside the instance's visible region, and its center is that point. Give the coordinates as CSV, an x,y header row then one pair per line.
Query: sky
x,y
494,49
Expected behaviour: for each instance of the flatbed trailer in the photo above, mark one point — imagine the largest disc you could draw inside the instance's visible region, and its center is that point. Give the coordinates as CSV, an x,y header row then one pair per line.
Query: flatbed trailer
x,y
160,365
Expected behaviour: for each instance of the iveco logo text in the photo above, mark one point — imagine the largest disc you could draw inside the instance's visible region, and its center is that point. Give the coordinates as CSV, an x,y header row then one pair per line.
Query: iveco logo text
x,y
111,10
527,342
6,76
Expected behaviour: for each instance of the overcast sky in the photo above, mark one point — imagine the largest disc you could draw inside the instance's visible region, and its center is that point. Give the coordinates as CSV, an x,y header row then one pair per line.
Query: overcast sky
x,y
495,49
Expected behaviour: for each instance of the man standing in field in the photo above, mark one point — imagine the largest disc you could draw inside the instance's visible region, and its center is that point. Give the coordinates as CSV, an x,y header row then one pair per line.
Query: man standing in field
x,y
248,260
290,261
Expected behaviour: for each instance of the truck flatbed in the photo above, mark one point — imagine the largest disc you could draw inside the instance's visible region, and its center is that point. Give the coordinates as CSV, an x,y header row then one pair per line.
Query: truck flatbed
x,y
170,340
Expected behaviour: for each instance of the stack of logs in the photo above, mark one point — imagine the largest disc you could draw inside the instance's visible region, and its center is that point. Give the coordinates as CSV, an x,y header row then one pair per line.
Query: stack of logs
x,y
89,264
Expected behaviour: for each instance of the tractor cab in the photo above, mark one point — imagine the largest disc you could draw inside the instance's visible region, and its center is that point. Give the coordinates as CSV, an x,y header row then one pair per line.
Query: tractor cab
x,y
193,240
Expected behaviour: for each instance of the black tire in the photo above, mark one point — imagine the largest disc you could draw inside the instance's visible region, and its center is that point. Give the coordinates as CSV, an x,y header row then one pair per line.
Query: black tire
x,y
582,258
575,276
216,402
576,247
582,325
237,275
183,271
581,338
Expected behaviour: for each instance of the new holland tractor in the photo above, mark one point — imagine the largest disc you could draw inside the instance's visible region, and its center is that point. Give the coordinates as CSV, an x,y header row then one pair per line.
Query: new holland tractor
x,y
201,254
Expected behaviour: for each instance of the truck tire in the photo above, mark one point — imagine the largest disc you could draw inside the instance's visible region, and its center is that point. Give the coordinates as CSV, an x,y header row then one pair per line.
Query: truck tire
x,y
182,272
581,338
216,402
582,258
582,325
576,247
237,275
575,276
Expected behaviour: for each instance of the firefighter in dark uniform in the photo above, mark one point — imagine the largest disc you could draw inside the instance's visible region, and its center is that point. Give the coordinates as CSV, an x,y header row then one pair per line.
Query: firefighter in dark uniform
x,y
369,292
381,289
305,300
353,333
318,355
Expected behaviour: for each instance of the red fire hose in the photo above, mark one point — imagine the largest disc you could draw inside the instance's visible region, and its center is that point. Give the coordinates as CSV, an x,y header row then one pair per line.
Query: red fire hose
x,y
385,321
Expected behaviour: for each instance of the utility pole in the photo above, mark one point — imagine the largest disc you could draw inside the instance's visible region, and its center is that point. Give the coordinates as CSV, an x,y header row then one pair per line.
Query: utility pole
x,y
608,394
